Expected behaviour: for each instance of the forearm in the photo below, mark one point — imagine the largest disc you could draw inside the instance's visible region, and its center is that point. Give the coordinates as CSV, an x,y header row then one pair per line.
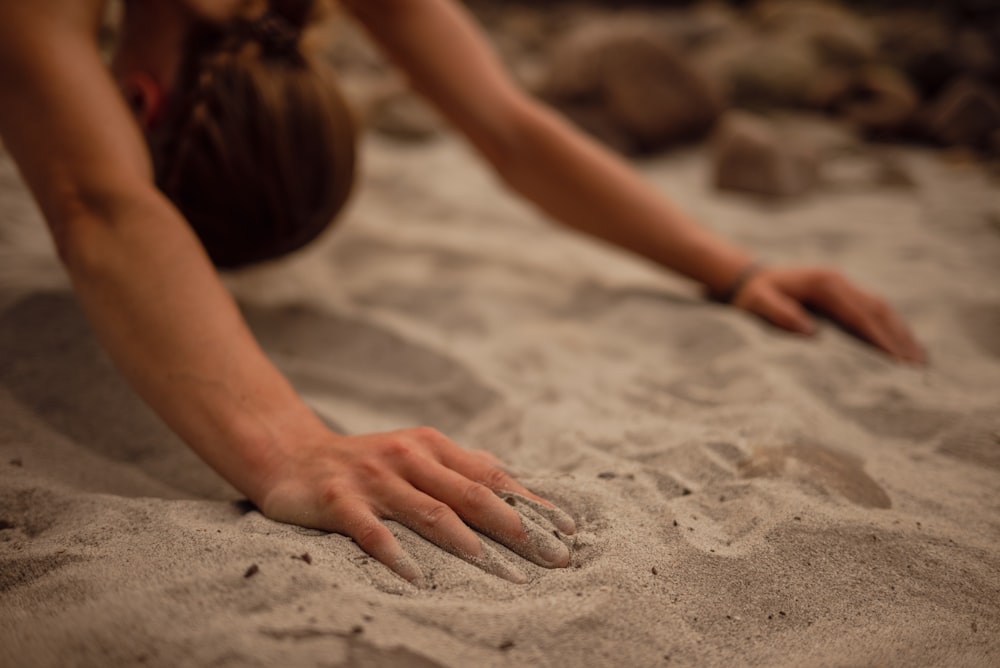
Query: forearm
x,y
161,312
584,186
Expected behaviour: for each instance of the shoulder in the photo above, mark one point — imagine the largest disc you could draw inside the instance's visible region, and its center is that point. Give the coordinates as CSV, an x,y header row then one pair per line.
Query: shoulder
x,y
74,15
26,26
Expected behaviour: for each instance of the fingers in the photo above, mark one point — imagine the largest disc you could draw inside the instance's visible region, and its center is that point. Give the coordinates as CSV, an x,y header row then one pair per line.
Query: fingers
x,y
552,514
479,506
424,481
489,458
778,309
911,350
431,518
778,295
356,520
498,480
869,317
439,524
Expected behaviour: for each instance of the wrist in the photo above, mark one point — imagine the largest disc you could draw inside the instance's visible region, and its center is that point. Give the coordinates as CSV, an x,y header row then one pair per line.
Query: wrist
x,y
256,447
728,292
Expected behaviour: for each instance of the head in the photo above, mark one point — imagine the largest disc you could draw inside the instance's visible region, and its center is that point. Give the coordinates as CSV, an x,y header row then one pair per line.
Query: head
x,y
250,136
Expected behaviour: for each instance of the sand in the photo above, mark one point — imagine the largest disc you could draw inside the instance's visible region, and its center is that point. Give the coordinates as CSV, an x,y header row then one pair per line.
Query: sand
x,y
743,496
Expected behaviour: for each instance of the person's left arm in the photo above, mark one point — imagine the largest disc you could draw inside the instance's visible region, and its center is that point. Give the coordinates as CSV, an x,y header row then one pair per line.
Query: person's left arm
x,y
583,185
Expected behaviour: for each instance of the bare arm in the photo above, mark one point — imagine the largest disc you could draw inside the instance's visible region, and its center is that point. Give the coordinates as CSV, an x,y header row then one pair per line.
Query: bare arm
x,y
158,307
533,150
138,270
584,186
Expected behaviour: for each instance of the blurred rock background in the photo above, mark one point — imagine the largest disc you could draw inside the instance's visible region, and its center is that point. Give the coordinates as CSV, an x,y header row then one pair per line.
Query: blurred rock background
x,y
648,76
645,77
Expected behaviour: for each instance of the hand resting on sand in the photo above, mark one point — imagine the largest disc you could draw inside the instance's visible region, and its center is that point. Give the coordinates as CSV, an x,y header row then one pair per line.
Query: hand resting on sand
x,y
421,479
780,295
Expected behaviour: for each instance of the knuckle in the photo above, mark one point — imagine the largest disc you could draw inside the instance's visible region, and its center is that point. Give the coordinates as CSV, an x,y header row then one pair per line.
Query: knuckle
x,y
437,515
477,496
496,479
331,495
750,296
370,535
830,280
396,447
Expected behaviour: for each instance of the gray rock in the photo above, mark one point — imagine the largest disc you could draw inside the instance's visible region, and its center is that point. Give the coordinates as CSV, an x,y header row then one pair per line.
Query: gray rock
x,y
791,53
882,101
594,119
629,83
654,94
751,155
778,71
837,35
967,113
831,88
919,44
405,117
974,55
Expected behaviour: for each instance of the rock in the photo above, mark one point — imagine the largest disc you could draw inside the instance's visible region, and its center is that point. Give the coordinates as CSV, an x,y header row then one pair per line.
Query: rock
x,y
656,96
865,169
750,155
632,84
574,62
882,101
830,88
974,55
521,35
837,35
791,55
593,118
919,44
350,50
405,117
967,113
385,104
775,72
703,24
719,59
110,27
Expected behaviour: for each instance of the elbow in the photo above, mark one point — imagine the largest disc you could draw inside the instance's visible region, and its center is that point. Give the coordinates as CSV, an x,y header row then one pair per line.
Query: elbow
x,y
78,243
82,223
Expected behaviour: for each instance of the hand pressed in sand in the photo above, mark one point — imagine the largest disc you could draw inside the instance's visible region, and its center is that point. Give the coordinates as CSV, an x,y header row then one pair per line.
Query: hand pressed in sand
x,y
779,295
423,480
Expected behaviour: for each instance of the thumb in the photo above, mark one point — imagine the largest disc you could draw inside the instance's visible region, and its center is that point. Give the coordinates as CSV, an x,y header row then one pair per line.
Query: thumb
x,y
783,311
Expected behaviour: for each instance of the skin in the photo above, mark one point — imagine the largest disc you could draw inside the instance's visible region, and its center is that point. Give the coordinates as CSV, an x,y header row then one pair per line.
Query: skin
x,y
157,304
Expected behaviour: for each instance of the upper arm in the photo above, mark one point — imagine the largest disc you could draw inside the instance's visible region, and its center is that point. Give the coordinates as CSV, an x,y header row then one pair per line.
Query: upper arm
x,y
62,118
448,60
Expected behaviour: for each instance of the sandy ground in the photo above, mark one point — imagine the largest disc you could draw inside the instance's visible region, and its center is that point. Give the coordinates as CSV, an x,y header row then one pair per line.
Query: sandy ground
x,y
743,496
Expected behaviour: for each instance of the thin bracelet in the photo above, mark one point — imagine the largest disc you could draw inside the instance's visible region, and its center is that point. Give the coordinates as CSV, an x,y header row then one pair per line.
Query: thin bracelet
x,y
733,289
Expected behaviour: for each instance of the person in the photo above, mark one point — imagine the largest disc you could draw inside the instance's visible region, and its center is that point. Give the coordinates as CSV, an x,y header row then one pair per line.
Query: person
x,y
217,138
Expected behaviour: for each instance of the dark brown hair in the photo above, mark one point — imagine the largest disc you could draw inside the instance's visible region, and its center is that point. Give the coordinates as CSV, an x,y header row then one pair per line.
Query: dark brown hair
x,y
257,145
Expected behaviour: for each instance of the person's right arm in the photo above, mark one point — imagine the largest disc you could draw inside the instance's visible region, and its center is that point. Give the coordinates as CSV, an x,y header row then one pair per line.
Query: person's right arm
x,y
160,310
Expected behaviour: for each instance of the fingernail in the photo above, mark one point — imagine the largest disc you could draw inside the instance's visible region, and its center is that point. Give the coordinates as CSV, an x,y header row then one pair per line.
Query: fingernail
x,y
557,516
407,568
544,548
562,521
554,552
